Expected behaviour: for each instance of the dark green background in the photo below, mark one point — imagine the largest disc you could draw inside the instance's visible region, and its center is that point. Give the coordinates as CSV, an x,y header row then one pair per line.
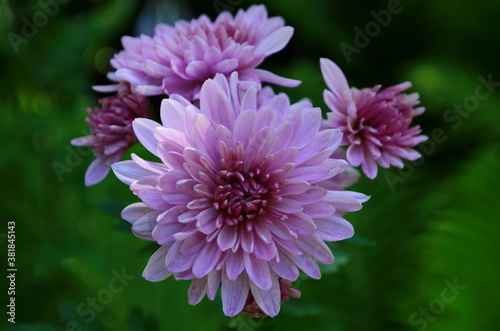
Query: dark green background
x,y
438,223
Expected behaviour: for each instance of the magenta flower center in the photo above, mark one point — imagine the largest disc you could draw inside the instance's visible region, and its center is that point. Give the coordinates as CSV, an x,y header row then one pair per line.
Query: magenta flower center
x,y
242,195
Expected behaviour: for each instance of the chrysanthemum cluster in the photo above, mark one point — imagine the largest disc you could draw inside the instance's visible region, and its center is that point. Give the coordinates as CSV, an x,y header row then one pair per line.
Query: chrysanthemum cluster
x,y
237,200
246,188
179,59
111,133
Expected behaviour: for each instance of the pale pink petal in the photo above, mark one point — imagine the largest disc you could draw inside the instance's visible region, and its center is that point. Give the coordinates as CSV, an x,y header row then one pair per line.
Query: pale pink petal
x,y
334,78
333,228
269,77
276,41
285,268
234,264
268,300
144,130
128,171
213,282
206,260
234,294
156,270
197,290
258,271
96,172
144,226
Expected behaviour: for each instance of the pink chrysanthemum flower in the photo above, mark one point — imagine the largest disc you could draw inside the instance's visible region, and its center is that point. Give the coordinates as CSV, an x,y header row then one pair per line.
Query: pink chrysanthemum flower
x,y
375,123
111,133
178,59
235,199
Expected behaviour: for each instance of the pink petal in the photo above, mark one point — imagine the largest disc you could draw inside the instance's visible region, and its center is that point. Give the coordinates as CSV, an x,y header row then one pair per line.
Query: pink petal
x,y
133,77
193,244
234,264
168,226
307,265
106,88
143,227
310,174
128,171
172,140
285,268
197,69
83,141
206,221
334,228
173,114
335,78
96,172
319,209
216,104
342,201
153,167
225,67
212,55
135,211
258,271
268,300
148,90
155,269
234,294
312,195
369,166
269,77
355,155
213,282
245,126
316,248
281,230
143,129
197,290
155,69
227,237
249,100
246,239
206,260
264,251
177,262
294,186
301,224
275,42
287,206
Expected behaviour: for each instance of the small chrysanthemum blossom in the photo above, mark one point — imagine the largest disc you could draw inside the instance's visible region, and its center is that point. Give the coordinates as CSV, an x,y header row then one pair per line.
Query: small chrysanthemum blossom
x,y
179,59
235,199
111,133
375,123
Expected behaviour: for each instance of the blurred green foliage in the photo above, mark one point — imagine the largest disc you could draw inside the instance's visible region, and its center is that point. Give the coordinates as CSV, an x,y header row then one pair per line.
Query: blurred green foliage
x,y
434,223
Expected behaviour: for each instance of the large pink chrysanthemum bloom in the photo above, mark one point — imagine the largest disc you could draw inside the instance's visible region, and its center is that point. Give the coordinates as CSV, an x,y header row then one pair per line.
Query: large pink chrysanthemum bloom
x,y
111,133
178,59
235,199
375,123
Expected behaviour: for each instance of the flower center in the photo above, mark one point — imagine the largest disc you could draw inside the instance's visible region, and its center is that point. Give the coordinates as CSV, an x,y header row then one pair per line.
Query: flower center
x,y
240,196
